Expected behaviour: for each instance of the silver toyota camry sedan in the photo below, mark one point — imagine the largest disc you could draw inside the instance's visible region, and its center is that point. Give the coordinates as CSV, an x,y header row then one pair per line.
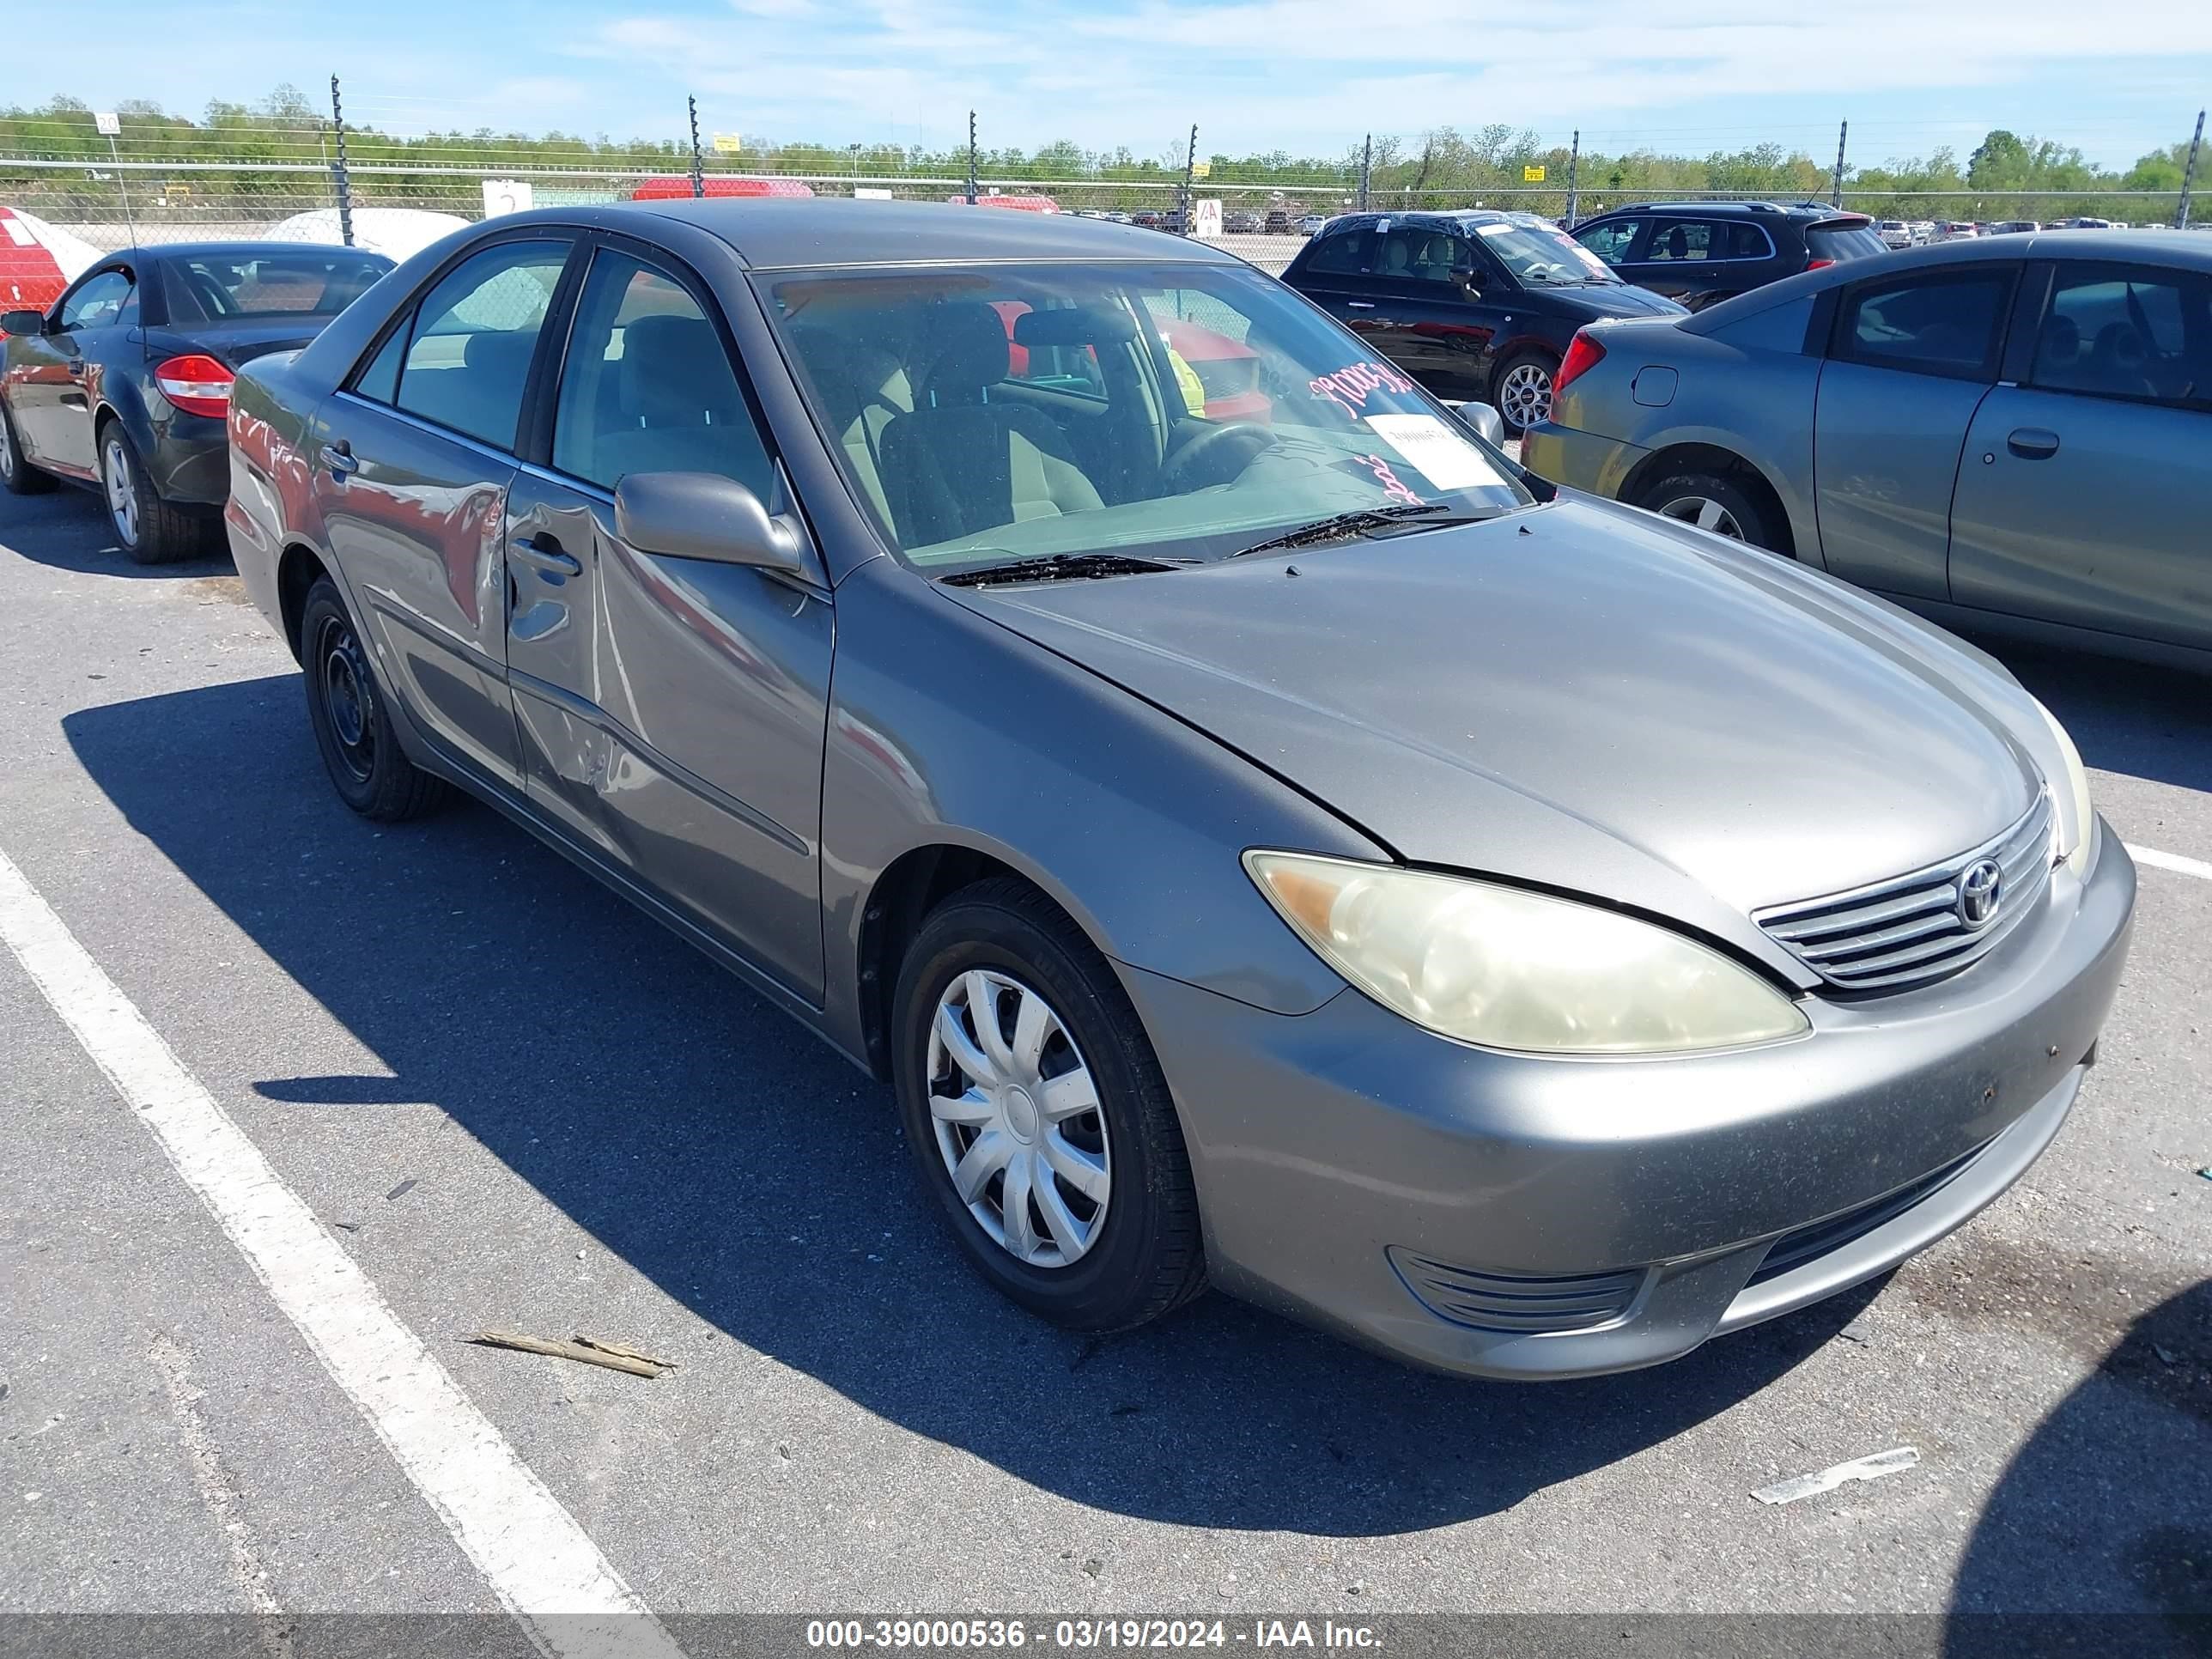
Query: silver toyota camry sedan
x,y
1262,838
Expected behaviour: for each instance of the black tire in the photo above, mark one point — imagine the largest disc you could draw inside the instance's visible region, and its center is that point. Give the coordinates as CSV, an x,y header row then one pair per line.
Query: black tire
x,y
17,474
1674,497
370,774
153,531
1504,387
1148,1258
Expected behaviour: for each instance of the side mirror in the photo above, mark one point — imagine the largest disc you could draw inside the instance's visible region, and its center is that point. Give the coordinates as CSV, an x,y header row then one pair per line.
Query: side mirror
x,y
1468,278
704,515
22,322
1482,421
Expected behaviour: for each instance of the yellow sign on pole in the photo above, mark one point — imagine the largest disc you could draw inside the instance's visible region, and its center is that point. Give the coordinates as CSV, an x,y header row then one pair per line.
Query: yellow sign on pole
x,y
1532,175
727,143
1200,169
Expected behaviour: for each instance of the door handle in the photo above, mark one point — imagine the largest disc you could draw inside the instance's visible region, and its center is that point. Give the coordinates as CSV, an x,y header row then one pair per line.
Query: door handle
x,y
543,554
2032,443
338,458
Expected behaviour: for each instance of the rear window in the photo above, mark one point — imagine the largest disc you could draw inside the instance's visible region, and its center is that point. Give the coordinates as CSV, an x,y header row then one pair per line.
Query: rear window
x,y
310,282
1842,242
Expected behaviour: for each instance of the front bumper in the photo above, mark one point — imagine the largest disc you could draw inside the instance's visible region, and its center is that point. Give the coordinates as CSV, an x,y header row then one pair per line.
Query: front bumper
x,y
1502,1215
1579,460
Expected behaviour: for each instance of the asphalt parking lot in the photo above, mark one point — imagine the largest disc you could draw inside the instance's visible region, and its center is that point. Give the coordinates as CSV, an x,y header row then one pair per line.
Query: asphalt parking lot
x,y
513,1102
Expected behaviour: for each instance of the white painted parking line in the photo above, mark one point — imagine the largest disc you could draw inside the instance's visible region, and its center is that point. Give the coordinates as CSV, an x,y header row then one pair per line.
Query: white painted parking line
x,y
547,1571
2173,862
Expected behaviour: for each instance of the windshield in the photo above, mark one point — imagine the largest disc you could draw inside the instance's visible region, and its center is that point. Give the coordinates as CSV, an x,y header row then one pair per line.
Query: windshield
x,y
310,282
1540,257
1174,412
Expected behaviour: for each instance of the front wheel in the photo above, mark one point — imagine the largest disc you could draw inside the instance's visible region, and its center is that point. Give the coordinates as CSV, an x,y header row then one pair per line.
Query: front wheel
x,y
1039,1116
17,476
1521,391
351,728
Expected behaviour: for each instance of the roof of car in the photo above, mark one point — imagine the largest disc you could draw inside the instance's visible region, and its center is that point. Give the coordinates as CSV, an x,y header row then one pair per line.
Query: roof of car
x,y
2156,247
1788,209
827,231
232,249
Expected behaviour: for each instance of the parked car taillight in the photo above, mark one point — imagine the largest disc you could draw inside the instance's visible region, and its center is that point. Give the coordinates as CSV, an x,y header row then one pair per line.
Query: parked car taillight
x,y
197,384
1582,353
1818,264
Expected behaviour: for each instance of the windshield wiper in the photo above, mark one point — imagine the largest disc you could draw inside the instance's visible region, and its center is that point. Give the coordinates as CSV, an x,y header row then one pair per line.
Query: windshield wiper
x,y
1062,568
1345,525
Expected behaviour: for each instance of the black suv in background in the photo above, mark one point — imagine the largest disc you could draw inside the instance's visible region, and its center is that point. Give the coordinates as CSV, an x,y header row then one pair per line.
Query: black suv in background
x,y
1702,253
1473,305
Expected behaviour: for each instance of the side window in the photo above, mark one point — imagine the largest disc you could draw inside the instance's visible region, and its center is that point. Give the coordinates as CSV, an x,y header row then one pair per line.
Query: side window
x,y
1609,242
380,381
1739,240
1934,326
2118,332
1339,252
1061,366
646,386
468,359
1682,239
1416,255
102,300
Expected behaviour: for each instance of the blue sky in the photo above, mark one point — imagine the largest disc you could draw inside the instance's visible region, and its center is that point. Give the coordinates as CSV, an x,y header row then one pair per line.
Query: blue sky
x,y
1306,75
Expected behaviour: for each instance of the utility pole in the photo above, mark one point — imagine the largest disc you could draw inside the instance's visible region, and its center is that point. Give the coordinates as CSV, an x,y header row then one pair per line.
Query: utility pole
x,y
698,167
2189,175
1836,185
1189,172
971,158
1366,170
338,173
1574,161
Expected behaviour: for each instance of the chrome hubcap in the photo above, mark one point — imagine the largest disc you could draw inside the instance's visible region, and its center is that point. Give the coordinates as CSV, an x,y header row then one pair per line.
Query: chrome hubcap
x,y
122,499
1016,1119
1705,512
346,699
1524,395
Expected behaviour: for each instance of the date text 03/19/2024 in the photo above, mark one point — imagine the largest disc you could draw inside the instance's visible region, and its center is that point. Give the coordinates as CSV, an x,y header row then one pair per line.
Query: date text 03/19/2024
x,y
1086,1634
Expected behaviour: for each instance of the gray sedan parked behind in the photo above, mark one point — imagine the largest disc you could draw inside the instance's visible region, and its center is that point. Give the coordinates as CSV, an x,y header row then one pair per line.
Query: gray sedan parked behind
x,y
1528,938
2012,433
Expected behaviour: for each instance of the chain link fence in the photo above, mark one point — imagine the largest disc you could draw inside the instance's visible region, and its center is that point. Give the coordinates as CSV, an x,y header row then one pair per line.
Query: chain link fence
x,y
156,179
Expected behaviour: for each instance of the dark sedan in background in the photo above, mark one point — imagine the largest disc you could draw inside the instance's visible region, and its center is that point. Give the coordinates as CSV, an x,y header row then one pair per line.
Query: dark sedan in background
x,y
2009,432
124,384
1473,305
1702,253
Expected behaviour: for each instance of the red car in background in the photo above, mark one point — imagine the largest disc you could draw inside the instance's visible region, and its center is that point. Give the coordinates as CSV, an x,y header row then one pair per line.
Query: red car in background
x,y
1023,204
677,186
37,262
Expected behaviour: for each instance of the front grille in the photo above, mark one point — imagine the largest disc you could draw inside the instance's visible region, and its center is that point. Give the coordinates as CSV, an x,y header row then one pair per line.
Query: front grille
x,y
1794,1251
1911,930
1515,1304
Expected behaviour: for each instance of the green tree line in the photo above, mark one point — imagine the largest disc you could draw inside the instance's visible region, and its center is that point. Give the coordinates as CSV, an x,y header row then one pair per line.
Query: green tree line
x,y
1442,166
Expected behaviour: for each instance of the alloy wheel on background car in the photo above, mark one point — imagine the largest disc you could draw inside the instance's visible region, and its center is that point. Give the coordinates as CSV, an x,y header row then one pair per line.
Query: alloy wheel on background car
x,y
1705,512
1016,1117
1524,395
120,489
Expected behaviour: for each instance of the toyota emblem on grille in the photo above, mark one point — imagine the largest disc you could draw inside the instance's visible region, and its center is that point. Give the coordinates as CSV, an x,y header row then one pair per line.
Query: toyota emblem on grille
x,y
1979,889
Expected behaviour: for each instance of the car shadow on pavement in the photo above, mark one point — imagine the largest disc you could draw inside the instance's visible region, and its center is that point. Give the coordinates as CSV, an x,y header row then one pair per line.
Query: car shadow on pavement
x,y
759,1180
2106,1510
68,530
2147,722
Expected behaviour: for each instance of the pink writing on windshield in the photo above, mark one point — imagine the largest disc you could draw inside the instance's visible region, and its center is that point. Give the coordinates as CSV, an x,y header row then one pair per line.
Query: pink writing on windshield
x,y
1350,388
1392,488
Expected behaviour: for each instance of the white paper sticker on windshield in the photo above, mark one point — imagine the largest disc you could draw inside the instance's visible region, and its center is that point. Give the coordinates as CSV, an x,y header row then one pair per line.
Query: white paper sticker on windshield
x,y
1496,229
1443,457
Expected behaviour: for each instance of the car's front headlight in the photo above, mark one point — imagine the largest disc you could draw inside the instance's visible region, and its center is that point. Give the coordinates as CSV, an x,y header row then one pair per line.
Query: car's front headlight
x,y
2076,816
1510,968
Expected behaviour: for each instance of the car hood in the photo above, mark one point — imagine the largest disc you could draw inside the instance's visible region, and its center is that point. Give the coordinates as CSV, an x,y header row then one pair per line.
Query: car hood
x,y
1577,696
1619,300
